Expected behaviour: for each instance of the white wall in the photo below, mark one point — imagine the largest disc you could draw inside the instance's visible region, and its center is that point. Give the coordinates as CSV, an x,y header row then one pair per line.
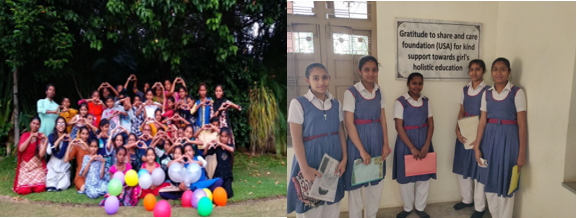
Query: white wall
x,y
539,39
570,150
443,94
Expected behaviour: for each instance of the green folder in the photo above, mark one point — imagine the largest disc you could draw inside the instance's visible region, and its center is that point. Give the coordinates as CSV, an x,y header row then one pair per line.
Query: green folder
x,y
367,173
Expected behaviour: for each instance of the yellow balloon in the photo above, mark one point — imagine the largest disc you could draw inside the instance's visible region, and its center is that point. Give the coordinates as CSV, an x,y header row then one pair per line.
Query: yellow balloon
x,y
208,193
131,178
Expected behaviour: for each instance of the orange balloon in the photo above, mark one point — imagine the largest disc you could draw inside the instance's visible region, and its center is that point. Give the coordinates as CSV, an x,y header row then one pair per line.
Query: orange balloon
x,y
149,202
219,196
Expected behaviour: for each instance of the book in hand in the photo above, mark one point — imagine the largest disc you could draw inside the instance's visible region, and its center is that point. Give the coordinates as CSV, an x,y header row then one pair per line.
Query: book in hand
x,y
416,167
322,188
468,127
367,173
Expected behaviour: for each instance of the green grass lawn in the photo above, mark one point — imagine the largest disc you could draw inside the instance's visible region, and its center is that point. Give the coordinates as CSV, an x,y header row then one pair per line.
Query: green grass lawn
x,y
248,172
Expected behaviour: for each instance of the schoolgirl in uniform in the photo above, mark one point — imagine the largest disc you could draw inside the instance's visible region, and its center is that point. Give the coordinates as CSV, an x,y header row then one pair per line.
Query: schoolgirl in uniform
x,y
464,163
316,129
364,108
414,124
503,133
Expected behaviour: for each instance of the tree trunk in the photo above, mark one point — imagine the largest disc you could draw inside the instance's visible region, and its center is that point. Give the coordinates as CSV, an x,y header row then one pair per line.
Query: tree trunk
x,y
16,112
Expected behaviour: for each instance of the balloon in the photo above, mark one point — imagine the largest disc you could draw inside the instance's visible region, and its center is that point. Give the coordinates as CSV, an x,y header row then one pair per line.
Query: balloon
x,y
196,196
186,198
149,202
158,176
204,206
176,173
193,173
220,196
131,178
111,205
120,176
114,187
141,172
162,209
208,193
145,181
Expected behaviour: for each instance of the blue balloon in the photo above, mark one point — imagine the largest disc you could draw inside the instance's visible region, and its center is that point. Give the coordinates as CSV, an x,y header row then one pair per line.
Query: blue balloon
x,y
141,172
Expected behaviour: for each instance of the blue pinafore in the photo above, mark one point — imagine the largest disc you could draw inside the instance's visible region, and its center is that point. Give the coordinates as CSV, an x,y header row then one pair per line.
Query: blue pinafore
x,y
367,121
415,125
464,162
320,136
500,144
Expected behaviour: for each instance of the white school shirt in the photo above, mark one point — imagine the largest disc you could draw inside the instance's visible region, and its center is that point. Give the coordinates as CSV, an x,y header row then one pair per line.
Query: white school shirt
x,y
349,100
296,113
520,103
471,91
398,108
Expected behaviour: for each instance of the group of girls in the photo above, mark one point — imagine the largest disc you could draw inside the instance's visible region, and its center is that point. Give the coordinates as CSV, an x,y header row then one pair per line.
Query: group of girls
x,y
117,133
317,129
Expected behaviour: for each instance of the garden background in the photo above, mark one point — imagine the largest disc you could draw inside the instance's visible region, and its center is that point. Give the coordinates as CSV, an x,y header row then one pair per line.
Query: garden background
x,y
78,44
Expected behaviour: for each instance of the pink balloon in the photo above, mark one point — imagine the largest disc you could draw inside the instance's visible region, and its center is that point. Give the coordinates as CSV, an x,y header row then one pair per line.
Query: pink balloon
x,y
186,198
162,209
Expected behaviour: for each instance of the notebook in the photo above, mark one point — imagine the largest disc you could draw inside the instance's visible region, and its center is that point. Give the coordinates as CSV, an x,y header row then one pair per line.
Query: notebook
x,y
514,179
468,127
427,165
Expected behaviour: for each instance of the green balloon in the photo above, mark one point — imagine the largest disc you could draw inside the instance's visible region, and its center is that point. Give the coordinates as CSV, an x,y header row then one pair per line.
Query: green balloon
x,y
114,187
204,206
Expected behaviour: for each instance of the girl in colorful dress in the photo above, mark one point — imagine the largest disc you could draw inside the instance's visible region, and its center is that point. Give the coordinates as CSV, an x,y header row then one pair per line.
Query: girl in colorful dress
x,y
78,148
58,177
501,139
316,129
31,166
93,169
129,195
202,108
67,112
150,166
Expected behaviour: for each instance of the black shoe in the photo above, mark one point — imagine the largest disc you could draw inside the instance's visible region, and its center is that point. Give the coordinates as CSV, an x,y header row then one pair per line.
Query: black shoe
x,y
50,189
462,205
477,214
58,190
422,214
403,214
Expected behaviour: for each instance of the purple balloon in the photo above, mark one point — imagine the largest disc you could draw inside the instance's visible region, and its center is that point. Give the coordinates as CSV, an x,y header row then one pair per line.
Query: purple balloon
x,y
120,176
111,205
196,196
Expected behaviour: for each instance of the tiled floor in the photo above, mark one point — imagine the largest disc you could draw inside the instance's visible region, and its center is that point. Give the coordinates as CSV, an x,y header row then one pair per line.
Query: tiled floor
x,y
438,210
441,210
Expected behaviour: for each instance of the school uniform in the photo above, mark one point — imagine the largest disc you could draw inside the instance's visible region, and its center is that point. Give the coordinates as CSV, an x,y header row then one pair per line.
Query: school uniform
x,y
414,115
500,147
464,162
366,107
320,136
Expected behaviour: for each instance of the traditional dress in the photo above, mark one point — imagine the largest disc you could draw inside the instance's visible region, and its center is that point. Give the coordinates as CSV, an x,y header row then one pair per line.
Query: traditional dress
x,y
95,185
30,169
96,110
136,120
78,153
47,120
58,176
68,115
203,113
